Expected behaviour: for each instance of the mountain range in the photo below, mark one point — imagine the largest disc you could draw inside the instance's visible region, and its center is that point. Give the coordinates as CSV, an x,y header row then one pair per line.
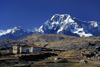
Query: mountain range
x,y
62,24
15,33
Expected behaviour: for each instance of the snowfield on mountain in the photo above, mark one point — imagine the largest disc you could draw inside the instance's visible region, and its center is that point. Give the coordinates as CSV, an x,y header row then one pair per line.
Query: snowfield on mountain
x,y
62,24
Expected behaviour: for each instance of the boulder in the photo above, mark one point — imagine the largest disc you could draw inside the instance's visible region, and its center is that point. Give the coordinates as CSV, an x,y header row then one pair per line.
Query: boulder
x,y
83,61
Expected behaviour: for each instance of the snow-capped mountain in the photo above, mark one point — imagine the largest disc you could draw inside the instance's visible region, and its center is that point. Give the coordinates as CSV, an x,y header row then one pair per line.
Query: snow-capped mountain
x,y
13,33
65,24
58,24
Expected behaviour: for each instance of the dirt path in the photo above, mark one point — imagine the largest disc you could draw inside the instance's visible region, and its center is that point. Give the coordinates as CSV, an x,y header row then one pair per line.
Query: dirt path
x,y
8,58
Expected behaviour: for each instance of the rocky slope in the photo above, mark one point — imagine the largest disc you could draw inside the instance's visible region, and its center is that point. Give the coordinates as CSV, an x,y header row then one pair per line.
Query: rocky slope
x,y
8,43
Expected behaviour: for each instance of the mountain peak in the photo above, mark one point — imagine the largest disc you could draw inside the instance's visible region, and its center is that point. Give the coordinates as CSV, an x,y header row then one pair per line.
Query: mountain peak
x,y
63,22
16,28
59,16
12,30
13,33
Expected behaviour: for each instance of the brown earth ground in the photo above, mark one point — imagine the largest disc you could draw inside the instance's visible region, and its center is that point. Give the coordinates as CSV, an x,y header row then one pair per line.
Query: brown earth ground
x,y
72,57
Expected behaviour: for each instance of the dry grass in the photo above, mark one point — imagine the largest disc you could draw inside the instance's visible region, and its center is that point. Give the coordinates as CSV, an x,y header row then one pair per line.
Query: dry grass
x,y
58,41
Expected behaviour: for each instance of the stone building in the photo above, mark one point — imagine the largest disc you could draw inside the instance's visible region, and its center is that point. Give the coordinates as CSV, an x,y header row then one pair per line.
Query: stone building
x,y
25,48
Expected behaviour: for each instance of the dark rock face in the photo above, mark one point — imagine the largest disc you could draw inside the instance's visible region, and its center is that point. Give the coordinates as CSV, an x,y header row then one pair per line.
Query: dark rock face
x,y
90,44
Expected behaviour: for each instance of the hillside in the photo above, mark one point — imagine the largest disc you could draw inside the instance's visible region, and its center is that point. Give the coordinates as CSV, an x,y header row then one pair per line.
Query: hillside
x,y
6,43
59,41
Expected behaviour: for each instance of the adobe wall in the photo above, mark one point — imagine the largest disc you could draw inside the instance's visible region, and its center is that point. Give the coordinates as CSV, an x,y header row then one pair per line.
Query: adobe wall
x,y
15,49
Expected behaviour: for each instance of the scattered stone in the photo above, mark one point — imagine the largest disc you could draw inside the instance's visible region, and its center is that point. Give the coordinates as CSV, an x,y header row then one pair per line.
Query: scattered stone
x,y
56,58
83,61
96,55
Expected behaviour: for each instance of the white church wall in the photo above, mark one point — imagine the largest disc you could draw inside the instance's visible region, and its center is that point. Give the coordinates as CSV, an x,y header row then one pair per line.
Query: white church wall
x,y
25,48
15,49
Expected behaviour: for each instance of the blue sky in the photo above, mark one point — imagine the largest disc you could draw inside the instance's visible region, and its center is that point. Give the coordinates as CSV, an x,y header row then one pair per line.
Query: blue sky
x,y
33,13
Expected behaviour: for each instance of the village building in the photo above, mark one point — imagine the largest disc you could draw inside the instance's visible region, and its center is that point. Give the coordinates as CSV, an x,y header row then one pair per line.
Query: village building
x,y
25,48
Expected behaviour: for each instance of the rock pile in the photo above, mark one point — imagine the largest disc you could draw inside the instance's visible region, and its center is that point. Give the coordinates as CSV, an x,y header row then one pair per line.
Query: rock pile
x,y
83,61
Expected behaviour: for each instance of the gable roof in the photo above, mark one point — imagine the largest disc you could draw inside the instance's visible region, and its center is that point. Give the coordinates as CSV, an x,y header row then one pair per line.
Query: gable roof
x,y
23,45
